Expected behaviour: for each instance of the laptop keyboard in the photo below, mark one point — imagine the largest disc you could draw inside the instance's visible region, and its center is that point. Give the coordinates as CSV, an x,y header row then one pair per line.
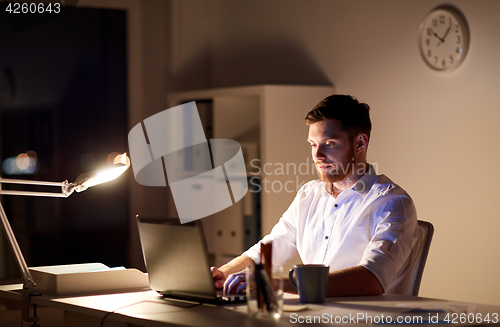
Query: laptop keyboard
x,y
230,297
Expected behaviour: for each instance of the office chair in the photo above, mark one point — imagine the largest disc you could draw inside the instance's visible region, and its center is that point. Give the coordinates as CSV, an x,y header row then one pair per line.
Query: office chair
x,y
418,257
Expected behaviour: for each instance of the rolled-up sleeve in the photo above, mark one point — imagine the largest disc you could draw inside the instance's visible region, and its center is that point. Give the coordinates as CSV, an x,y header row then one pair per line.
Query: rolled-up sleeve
x,y
394,228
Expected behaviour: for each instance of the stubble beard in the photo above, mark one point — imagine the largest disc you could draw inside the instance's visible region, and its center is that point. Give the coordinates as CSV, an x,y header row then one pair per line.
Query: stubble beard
x,y
340,171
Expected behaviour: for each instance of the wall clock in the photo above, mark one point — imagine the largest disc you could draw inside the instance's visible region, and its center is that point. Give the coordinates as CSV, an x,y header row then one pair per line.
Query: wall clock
x,y
444,38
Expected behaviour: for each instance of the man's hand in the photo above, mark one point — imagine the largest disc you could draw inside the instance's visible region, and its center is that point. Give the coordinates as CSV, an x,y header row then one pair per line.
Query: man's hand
x,y
235,283
218,276
238,264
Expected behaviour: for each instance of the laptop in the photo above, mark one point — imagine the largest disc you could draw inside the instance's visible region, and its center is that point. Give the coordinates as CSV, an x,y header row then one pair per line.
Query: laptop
x,y
177,261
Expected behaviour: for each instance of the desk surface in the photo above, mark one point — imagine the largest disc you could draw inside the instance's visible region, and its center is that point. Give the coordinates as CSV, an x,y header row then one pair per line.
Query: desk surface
x,y
147,308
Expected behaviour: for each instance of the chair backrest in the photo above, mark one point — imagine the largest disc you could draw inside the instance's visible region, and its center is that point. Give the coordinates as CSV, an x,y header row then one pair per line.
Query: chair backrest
x,y
418,257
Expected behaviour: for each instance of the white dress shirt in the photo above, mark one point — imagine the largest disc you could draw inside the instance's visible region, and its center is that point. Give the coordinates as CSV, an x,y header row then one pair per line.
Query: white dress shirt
x,y
372,224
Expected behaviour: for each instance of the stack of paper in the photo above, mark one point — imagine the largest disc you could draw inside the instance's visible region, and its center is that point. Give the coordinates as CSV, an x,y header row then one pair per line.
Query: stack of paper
x,y
87,278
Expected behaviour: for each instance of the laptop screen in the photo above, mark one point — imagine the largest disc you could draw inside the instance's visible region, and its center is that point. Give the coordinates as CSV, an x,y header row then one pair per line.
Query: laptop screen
x,y
176,257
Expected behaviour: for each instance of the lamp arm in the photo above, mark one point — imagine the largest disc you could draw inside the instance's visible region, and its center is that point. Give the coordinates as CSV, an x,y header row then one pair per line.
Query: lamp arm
x,y
28,282
81,184
66,188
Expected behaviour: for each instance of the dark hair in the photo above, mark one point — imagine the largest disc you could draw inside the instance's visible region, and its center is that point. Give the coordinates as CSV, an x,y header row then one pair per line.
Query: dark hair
x,y
354,115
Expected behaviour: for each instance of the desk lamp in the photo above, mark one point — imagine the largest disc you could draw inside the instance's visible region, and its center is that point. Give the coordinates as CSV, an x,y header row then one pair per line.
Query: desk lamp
x,y
83,182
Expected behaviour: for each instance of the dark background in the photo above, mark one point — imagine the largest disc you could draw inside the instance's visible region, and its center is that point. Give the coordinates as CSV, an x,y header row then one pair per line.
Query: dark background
x,y
66,97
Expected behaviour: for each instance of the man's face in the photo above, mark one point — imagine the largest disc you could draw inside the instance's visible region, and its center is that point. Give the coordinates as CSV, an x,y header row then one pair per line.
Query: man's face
x,y
331,149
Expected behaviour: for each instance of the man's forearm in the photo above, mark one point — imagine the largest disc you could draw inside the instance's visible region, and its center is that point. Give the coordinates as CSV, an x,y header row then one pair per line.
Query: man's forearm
x,y
236,265
354,281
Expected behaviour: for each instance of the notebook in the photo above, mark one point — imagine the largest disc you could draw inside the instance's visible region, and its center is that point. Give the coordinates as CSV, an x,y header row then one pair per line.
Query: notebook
x,y
177,261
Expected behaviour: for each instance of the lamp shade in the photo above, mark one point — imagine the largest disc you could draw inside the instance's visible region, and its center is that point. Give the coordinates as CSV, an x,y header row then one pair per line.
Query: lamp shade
x,y
93,178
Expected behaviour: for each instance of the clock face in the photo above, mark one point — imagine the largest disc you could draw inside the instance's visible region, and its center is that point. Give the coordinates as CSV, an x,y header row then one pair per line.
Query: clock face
x,y
444,39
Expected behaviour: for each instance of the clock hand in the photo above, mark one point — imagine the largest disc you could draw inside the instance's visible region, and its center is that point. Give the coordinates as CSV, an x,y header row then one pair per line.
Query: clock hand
x,y
435,34
447,31
440,39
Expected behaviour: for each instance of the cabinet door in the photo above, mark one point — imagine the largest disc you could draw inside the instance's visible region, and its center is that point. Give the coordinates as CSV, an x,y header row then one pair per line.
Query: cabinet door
x,y
228,228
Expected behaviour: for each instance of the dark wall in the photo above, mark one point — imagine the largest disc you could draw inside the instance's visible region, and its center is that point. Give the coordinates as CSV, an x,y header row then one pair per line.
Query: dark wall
x,y
68,102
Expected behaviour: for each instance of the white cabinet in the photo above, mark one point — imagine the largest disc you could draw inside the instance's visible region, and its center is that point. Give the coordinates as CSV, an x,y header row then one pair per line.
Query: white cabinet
x,y
268,122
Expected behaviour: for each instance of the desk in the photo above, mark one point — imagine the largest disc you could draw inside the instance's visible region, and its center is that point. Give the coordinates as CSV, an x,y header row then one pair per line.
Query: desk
x,y
147,308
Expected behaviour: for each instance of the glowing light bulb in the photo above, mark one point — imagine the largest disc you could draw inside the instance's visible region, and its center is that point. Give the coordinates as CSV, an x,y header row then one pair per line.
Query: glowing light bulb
x,y
87,180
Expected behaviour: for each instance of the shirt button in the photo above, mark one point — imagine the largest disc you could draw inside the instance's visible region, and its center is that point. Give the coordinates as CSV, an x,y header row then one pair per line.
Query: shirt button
x,y
326,237
336,205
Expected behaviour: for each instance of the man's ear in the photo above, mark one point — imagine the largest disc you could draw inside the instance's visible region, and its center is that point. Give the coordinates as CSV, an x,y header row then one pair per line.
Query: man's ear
x,y
360,143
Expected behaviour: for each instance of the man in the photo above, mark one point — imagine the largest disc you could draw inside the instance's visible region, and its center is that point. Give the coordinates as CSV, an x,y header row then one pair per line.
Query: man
x,y
360,224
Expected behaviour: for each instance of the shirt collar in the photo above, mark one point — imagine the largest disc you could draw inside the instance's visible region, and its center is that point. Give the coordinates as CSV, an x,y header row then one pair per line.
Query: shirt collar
x,y
365,183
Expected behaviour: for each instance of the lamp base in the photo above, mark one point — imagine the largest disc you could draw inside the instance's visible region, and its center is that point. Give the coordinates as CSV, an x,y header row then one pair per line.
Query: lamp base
x,y
87,278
